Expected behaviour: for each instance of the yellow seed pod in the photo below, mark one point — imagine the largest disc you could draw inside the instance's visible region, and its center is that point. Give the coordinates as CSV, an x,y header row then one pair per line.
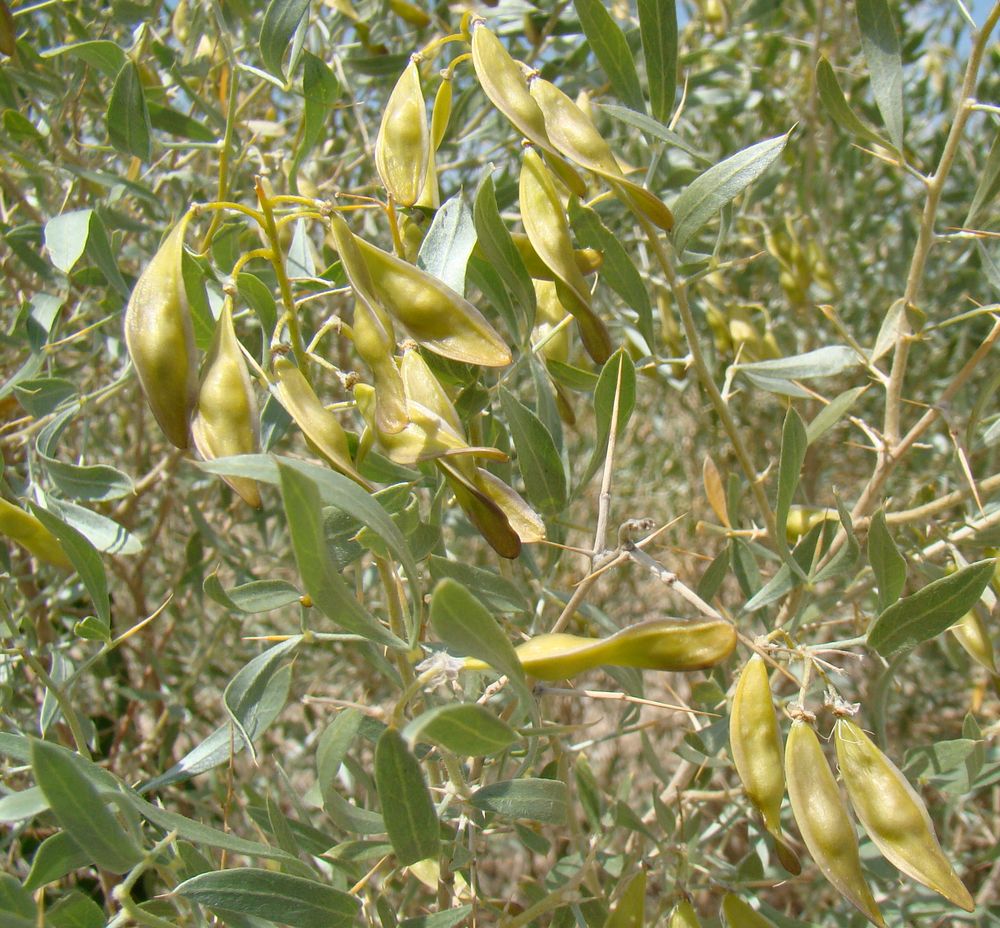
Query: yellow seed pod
x,y
755,746
527,523
548,231
29,533
738,914
683,916
410,13
577,139
488,518
424,388
441,112
549,313
160,338
823,819
375,342
664,644
402,147
588,260
226,421
802,519
894,815
972,634
433,314
320,426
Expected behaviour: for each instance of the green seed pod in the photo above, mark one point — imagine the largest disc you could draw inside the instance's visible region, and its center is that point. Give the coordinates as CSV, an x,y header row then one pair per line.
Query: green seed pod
x,y
575,137
441,113
823,819
666,644
29,533
972,634
548,231
588,260
375,341
549,313
402,147
894,815
738,914
160,338
424,388
320,426
683,916
226,421
755,746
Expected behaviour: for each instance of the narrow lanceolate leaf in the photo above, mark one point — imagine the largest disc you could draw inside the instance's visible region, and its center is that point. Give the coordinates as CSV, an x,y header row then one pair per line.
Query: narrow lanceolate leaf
x,y
407,808
611,49
931,610
837,107
630,910
80,808
988,187
278,897
880,45
658,29
717,186
887,563
281,19
793,452
537,456
128,116
618,367
329,592
528,798
467,729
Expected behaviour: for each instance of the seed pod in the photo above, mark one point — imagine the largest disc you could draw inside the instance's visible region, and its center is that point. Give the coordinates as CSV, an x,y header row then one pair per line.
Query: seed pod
x,y
29,533
525,522
894,815
504,83
375,341
402,147
683,916
755,746
550,312
320,426
972,634
738,914
423,387
226,422
588,260
575,137
823,819
441,112
160,338
665,644
483,512
547,229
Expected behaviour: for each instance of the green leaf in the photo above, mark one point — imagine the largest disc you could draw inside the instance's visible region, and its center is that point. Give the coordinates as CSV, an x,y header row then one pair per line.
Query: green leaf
x,y
103,533
101,54
328,590
173,122
880,45
652,128
537,456
658,30
128,117
15,900
720,184
463,624
618,270
320,90
43,395
410,818
449,918
448,244
260,299
988,187
887,563
467,729
931,610
278,897
611,49
75,910
337,737
23,804
86,560
527,798
495,592
80,808
793,452
253,597
281,19
99,251
66,237
836,105
56,856
630,910
619,364
832,413
96,482
823,362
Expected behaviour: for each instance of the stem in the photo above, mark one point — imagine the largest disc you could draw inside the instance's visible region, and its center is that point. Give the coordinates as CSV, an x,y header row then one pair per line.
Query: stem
x,y
227,142
65,706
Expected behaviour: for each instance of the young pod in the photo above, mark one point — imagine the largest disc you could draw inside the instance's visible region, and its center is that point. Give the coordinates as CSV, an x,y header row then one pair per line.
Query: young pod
x,y
823,819
588,260
971,633
402,147
894,815
226,422
549,313
738,914
755,746
548,231
29,533
375,342
683,916
160,339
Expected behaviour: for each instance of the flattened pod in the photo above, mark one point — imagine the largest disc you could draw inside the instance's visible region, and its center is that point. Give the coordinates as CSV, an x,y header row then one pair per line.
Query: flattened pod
x,y
548,231
483,512
226,421
683,916
160,339
739,914
972,634
755,746
894,815
27,531
375,341
402,148
823,820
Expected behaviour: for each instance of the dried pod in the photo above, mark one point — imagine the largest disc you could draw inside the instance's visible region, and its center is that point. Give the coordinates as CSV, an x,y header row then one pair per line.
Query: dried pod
x,y
29,533
971,633
320,426
894,815
402,148
823,819
755,746
683,916
523,519
226,421
548,231
160,338
737,913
